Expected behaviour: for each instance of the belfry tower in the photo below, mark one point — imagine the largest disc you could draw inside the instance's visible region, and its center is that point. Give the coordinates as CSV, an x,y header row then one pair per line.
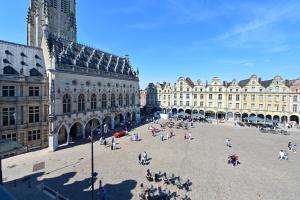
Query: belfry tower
x,y
57,17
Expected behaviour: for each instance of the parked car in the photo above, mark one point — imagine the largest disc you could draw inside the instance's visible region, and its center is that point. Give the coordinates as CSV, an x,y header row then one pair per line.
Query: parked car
x,y
120,134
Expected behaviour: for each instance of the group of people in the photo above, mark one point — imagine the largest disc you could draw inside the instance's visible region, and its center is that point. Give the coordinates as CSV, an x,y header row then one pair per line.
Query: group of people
x,y
150,193
283,154
187,136
232,159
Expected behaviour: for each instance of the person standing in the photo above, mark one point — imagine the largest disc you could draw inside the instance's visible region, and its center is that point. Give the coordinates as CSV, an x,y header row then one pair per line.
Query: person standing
x,y
161,136
167,135
190,136
140,158
112,143
290,146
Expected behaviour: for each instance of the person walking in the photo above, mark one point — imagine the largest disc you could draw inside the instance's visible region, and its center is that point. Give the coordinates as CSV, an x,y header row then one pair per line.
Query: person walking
x,y
290,146
162,136
140,158
167,135
190,136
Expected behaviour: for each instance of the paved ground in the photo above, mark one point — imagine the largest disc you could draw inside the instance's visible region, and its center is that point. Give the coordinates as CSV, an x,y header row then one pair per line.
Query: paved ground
x,y
261,176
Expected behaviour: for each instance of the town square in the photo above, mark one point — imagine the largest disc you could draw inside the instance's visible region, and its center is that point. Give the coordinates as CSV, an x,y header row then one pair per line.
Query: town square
x,y
203,160
149,100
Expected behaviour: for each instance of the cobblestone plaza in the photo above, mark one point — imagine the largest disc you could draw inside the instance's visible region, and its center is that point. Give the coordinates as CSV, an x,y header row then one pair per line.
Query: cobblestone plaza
x,y
203,160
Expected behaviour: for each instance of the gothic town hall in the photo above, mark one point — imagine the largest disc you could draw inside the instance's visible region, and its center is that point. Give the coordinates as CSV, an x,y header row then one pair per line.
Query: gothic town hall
x,y
54,89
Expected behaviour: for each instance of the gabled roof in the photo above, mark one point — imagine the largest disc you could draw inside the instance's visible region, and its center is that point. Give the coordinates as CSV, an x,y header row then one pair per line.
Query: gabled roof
x,y
69,53
266,83
243,83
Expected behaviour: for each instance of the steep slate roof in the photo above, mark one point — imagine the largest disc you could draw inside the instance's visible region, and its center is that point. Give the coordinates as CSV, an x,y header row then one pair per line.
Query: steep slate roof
x,y
266,83
189,82
68,53
243,83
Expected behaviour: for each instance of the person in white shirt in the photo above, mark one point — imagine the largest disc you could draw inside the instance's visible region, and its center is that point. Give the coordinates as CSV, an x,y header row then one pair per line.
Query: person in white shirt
x,y
281,154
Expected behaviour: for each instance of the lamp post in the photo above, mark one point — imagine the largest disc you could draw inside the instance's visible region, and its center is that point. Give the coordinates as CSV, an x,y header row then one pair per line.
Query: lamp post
x,y
92,160
1,178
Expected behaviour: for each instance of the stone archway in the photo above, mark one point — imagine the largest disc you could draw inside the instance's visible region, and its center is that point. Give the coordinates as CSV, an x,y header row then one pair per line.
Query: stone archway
x,y
174,111
294,118
284,119
76,131
195,111
180,110
128,116
261,116
133,116
221,115
269,117
107,121
188,111
230,115
62,135
237,115
244,115
276,118
91,125
210,114
119,120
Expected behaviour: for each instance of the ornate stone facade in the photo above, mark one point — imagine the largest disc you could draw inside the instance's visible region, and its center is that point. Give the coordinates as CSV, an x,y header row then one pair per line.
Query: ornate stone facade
x,y
58,16
75,86
274,99
23,95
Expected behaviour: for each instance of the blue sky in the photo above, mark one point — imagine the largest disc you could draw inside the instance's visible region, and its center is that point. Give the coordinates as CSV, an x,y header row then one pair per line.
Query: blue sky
x,y
166,39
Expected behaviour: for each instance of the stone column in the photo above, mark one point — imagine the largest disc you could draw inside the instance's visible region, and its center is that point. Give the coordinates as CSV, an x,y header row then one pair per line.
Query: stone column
x,y
112,122
53,137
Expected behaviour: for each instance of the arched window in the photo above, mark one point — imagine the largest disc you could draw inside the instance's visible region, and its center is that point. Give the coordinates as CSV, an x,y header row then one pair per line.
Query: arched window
x,y
81,103
66,103
113,101
133,99
104,101
8,70
120,100
127,99
93,102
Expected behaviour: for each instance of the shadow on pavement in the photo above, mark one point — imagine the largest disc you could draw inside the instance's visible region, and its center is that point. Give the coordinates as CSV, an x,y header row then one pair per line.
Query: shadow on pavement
x,y
26,188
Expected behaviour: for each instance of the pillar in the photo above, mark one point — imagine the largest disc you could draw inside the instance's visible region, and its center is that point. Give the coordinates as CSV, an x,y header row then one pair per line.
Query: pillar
x,y
53,137
112,122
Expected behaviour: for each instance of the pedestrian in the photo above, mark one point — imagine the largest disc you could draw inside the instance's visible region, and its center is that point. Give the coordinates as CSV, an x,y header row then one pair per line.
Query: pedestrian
x,y
161,136
190,136
167,135
228,142
290,146
140,158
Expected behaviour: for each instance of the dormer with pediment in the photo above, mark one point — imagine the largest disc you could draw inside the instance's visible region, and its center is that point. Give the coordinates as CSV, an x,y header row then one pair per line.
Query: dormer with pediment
x,y
277,85
233,86
253,85
216,85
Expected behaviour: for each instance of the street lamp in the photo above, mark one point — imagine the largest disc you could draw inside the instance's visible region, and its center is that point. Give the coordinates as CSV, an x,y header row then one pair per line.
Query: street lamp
x,y
92,159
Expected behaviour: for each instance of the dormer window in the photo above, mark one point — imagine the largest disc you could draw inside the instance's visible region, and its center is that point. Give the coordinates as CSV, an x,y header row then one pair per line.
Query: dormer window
x,y
23,55
37,57
38,65
7,52
23,63
6,61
